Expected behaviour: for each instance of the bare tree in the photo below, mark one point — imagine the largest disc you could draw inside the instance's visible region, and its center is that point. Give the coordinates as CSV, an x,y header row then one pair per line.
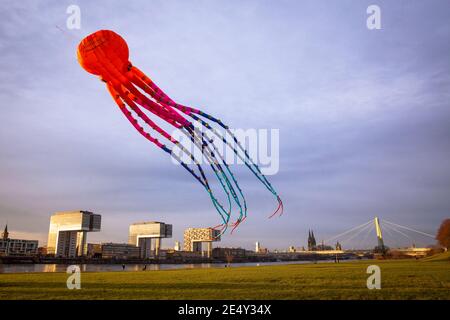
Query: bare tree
x,y
229,257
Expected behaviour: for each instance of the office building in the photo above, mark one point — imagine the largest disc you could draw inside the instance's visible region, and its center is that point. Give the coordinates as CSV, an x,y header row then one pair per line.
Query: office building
x,y
194,237
17,247
68,230
148,235
120,251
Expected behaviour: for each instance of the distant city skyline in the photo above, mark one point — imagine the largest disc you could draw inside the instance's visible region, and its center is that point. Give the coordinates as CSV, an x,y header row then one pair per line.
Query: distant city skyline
x,y
363,115
370,235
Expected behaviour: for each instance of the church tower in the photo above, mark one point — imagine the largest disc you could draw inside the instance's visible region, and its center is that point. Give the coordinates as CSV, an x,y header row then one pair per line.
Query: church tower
x,y
311,241
5,234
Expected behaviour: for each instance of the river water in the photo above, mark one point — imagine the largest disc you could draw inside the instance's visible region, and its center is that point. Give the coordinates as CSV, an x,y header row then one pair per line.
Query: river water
x,y
24,268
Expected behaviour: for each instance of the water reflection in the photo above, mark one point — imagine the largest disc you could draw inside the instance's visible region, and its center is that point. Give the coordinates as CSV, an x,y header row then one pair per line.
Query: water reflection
x,y
27,268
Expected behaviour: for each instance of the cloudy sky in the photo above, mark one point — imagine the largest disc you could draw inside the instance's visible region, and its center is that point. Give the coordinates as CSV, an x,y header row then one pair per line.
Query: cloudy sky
x,y
364,115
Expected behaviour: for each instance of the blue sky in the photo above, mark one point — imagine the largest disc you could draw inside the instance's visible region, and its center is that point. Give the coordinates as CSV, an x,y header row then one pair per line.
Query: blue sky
x,y
363,115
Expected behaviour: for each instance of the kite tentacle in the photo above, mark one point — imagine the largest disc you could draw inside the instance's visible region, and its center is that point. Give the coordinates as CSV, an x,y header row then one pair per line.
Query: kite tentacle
x,y
169,111
215,152
215,164
142,81
126,96
203,181
259,174
158,94
169,115
247,161
151,88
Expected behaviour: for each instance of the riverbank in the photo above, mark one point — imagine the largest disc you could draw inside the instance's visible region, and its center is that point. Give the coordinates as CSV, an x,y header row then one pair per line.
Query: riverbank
x,y
400,279
133,267
272,257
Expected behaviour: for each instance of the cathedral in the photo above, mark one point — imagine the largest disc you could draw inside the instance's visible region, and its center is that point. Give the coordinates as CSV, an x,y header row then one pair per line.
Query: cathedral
x,y
313,246
311,241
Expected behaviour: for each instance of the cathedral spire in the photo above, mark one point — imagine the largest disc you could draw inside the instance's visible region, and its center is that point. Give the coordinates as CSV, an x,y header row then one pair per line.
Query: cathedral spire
x,y
313,239
5,233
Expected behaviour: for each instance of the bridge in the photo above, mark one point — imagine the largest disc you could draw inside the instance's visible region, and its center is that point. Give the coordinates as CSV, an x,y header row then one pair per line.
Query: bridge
x,y
361,234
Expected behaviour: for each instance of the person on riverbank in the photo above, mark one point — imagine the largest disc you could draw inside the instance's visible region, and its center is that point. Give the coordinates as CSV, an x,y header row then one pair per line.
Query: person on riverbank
x,y
123,267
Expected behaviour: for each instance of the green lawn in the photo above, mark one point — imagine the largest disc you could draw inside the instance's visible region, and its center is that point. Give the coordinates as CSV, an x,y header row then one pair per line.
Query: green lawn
x,y
399,280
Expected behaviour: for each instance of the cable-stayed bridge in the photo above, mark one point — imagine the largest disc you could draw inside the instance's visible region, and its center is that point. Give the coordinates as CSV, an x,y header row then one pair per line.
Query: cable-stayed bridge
x,y
382,234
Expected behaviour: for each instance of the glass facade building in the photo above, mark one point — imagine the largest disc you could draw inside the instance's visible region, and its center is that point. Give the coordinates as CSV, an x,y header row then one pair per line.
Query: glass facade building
x,y
67,234
147,236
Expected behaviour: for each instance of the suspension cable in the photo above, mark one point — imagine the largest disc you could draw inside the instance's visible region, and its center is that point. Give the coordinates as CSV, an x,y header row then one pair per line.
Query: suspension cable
x,y
410,229
363,242
357,233
396,230
348,231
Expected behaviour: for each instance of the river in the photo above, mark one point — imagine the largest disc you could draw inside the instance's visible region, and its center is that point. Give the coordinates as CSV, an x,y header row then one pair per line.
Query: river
x,y
27,268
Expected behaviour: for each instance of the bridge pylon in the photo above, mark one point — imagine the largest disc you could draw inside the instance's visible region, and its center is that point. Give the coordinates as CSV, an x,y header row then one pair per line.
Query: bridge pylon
x,y
379,233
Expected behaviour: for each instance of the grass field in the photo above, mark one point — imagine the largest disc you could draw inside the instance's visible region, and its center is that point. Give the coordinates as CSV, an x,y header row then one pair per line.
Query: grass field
x,y
404,279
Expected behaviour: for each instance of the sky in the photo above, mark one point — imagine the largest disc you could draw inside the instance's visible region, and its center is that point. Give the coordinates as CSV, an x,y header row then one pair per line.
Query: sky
x,y
363,115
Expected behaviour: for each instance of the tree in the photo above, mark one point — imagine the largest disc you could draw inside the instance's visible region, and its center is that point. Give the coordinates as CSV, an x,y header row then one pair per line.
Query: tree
x,y
443,234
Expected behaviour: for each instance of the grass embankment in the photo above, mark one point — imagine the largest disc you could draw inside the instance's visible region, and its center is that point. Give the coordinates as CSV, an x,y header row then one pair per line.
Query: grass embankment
x,y
399,280
444,256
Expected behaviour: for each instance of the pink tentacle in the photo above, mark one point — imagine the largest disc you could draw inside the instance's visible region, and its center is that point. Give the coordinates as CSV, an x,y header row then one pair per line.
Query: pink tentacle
x,y
146,119
116,97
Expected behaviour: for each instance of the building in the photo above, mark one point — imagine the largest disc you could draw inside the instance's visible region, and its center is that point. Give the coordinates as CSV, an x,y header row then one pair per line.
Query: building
x,y
177,246
183,256
94,250
113,251
194,237
311,241
67,236
17,247
228,254
148,235
259,249
120,251
324,247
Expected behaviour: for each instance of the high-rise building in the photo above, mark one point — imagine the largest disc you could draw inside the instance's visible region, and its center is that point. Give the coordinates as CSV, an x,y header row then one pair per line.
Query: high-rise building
x,y
148,235
67,236
194,237
259,249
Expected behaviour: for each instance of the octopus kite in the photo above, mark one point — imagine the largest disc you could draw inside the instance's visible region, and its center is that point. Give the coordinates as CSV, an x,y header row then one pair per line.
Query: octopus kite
x,y
105,54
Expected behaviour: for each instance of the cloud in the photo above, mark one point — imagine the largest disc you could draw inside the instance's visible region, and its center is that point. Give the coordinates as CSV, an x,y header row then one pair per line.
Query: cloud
x,y
362,114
